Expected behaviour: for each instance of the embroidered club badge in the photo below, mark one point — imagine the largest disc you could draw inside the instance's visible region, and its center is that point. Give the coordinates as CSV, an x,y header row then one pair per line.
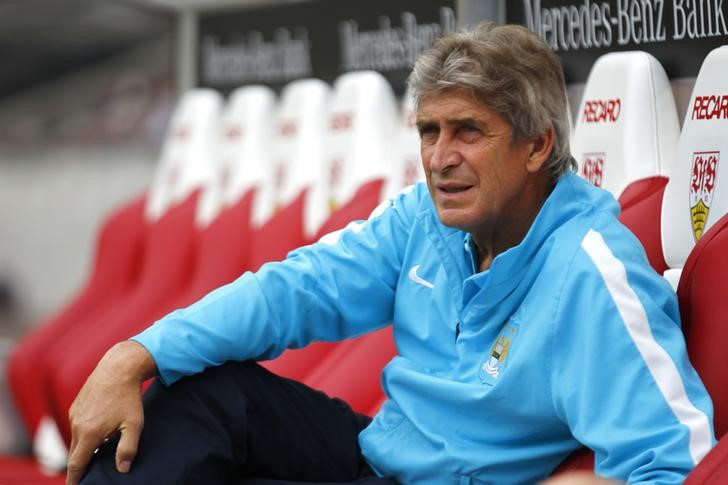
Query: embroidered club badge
x,y
592,167
702,187
498,353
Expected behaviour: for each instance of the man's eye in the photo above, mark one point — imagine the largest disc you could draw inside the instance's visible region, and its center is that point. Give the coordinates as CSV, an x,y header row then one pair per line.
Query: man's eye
x,y
469,132
428,133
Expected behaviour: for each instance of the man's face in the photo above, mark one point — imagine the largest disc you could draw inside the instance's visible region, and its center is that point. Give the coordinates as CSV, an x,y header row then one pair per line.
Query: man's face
x,y
474,172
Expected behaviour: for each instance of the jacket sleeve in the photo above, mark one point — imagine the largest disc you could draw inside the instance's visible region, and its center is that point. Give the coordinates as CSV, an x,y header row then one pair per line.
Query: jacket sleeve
x,y
339,287
621,377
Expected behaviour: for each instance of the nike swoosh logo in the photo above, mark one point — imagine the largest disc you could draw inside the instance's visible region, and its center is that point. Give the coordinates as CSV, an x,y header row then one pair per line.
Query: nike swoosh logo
x,y
414,277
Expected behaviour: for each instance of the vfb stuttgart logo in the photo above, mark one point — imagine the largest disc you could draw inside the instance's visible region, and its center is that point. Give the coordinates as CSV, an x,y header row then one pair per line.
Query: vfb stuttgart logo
x,y
592,167
702,187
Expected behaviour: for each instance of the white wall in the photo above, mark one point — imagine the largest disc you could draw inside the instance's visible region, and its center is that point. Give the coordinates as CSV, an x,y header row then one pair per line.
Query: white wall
x,y
71,151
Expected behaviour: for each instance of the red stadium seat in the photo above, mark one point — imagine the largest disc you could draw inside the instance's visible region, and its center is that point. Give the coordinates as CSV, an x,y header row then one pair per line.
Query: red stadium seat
x,y
695,244
695,239
642,212
624,139
123,248
27,471
172,269
695,198
704,310
353,371
115,268
713,469
361,123
703,298
224,212
166,270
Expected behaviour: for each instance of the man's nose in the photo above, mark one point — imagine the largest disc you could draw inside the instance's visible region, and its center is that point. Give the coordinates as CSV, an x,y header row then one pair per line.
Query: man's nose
x,y
444,156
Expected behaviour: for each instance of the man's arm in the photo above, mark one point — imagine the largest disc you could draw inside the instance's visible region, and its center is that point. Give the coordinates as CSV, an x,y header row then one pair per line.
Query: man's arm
x,y
110,402
621,376
322,292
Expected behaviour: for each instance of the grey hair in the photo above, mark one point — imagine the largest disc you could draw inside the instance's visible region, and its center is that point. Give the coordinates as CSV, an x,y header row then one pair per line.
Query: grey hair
x,y
510,70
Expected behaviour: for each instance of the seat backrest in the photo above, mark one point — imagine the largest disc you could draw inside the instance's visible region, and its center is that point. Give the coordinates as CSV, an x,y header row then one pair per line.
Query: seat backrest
x,y
407,166
703,299
625,135
362,133
243,159
364,357
695,197
300,149
187,160
298,159
361,142
627,124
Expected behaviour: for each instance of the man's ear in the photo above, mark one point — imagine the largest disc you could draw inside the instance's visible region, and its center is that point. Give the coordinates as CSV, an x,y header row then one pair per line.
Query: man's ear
x,y
540,149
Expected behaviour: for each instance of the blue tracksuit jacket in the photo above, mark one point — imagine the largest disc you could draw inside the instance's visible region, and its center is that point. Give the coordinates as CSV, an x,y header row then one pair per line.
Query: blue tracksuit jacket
x,y
570,337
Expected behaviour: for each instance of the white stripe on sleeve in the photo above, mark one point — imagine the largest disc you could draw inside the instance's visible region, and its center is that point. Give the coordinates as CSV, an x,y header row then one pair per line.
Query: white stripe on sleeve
x,y
658,361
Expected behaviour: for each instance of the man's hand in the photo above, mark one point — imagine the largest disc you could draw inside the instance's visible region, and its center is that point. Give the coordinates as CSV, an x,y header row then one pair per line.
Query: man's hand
x,y
108,402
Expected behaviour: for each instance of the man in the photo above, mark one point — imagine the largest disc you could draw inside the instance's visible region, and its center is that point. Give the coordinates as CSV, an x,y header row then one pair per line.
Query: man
x,y
527,320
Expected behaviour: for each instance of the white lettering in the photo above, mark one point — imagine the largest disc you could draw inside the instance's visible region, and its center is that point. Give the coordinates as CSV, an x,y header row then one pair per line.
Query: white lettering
x,y
678,18
698,19
607,16
661,31
636,18
254,60
720,28
596,18
390,48
533,16
623,24
589,24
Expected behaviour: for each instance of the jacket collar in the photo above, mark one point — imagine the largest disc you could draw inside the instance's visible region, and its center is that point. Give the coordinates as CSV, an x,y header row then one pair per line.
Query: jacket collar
x,y
571,196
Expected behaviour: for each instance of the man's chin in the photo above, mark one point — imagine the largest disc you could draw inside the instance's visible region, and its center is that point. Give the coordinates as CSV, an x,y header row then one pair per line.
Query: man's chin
x,y
452,218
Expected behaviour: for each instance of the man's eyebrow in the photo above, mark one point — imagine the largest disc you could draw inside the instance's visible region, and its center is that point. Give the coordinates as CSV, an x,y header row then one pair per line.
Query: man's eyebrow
x,y
424,123
467,120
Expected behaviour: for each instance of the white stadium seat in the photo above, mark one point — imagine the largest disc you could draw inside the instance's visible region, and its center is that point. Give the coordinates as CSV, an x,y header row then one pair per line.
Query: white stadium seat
x,y
696,196
241,160
627,125
187,161
299,149
361,142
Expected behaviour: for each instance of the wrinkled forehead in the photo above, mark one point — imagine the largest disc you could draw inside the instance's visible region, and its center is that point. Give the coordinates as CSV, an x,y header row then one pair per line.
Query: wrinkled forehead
x,y
457,104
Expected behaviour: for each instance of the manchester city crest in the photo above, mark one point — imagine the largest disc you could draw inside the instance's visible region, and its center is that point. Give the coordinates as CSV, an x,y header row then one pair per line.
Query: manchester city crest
x,y
498,353
702,186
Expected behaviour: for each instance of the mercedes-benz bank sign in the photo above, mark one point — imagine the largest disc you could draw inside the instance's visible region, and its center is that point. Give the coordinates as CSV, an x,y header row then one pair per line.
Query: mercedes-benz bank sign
x,y
678,32
275,44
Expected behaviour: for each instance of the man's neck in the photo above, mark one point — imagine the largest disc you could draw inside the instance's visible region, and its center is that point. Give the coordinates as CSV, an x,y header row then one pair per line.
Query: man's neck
x,y
495,241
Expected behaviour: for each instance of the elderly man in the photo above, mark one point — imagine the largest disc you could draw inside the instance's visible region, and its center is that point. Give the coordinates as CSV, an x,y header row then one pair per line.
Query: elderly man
x,y
527,321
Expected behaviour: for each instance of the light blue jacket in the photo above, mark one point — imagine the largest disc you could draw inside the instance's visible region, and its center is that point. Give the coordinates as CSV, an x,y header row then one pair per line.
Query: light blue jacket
x,y
570,337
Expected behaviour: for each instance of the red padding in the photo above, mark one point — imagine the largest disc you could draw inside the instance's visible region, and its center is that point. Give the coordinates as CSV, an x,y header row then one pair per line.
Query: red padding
x,y
167,265
365,200
353,372
703,298
280,234
25,471
115,269
641,212
640,190
300,363
579,460
713,469
223,250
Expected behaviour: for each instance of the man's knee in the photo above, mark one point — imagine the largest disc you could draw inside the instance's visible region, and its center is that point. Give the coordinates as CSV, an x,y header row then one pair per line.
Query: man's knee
x,y
214,382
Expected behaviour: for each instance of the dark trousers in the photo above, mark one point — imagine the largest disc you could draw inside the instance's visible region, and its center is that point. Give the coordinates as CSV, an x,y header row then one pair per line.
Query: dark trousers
x,y
239,423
